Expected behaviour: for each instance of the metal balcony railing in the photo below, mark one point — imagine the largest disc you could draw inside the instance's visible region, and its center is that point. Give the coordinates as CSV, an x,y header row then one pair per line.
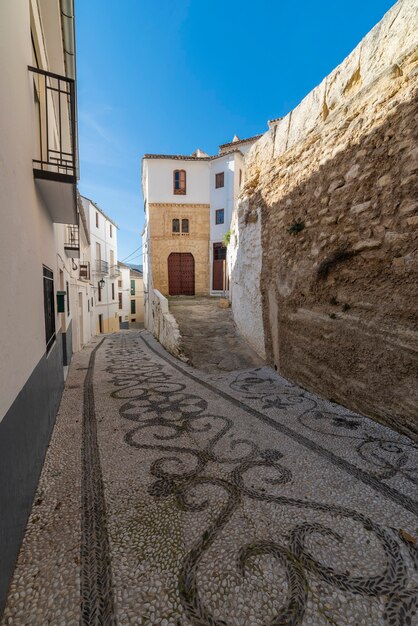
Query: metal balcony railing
x,y
56,155
102,267
72,236
114,271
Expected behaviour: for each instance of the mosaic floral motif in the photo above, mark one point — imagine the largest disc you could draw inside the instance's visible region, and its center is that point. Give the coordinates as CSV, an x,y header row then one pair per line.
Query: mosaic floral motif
x,y
233,471
384,458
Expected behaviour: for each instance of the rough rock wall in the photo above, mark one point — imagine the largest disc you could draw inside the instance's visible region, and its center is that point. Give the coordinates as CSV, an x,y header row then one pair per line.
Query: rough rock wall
x,y
335,182
245,255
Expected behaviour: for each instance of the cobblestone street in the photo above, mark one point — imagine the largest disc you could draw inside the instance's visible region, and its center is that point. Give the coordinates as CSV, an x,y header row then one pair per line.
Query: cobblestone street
x,y
175,497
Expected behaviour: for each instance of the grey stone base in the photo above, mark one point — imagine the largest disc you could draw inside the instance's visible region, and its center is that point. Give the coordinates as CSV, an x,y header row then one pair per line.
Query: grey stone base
x,y
24,435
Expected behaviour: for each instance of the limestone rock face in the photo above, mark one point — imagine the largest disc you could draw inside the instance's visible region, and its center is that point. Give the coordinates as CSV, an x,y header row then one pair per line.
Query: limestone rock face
x,y
335,301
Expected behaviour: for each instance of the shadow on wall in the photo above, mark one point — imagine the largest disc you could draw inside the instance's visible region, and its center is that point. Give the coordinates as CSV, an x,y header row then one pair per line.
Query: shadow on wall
x,y
339,277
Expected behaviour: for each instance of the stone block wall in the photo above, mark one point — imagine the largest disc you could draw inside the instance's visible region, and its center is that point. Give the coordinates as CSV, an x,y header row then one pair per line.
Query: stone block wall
x,y
335,186
163,242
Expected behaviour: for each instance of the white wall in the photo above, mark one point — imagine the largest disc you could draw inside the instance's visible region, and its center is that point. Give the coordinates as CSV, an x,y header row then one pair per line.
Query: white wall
x,y
26,233
245,262
108,307
158,181
125,291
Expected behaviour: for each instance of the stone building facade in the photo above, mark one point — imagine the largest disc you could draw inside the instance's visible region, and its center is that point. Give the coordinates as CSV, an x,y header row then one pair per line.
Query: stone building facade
x,y
325,245
165,242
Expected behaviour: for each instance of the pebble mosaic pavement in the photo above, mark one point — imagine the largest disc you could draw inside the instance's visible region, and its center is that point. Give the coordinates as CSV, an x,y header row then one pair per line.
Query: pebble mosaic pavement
x,y
210,500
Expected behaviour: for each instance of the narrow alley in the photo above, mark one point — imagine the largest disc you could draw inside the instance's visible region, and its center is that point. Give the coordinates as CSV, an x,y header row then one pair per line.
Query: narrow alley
x,y
209,338
213,499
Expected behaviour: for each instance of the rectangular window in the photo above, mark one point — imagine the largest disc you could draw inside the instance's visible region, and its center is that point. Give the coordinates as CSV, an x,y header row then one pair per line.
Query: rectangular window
x,y
99,292
113,291
179,182
112,258
49,309
175,227
97,220
120,284
133,307
185,226
219,180
219,252
120,300
240,178
219,216
132,287
111,230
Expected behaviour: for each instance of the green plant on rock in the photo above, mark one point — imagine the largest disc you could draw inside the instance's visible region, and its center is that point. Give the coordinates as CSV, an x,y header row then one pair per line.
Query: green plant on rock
x,y
297,226
227,238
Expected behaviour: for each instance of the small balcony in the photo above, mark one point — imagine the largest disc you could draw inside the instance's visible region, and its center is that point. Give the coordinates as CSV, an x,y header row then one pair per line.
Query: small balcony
x,y
114,271
55,162
72,241
102,267
84,271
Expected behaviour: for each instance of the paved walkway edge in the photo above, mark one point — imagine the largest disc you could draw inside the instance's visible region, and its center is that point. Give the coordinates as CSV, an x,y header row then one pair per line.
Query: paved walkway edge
x,y
96,575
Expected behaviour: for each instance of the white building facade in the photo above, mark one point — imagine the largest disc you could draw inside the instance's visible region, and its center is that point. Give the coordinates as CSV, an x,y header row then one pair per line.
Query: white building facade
x,y
38,178
211,188
124,297
104,268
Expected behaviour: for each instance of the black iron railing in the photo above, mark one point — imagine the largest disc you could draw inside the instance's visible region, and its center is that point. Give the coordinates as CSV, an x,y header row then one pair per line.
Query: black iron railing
x,y
72,236
102,267
55,104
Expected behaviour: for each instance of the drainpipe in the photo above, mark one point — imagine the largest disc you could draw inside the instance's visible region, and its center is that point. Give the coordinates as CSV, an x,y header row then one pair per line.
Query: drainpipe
x,y
68,35
68,38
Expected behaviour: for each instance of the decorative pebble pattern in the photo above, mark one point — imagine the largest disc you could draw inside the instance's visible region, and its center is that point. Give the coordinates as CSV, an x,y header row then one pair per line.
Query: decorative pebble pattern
x,y
237,499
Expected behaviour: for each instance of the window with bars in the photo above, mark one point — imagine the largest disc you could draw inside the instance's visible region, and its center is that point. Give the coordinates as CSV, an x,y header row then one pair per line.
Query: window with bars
x,y
219,216
175,227
219,180
49,308
185,226
120,300
179,182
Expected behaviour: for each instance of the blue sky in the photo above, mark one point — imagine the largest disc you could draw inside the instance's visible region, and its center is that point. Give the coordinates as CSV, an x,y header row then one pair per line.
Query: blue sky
x,y
169,76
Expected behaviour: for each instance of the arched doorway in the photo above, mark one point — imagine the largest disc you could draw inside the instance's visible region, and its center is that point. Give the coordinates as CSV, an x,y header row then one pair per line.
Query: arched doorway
x,y
181,274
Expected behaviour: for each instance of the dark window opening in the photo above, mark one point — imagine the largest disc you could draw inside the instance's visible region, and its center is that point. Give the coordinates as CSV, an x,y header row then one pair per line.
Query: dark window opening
x,y
219,180
219,216
219,252
132,287
99,292
133,307
113,291
120,300
111,230
97,220
49,309
176,226
184,226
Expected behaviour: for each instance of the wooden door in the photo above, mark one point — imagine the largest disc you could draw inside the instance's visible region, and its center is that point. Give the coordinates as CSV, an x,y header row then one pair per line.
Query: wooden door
x,y
181,274
219,260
